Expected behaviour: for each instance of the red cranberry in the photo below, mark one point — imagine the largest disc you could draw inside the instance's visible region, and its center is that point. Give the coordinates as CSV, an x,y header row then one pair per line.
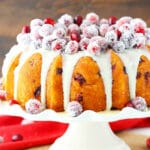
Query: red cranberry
x,y
78,20
148,142
12,102
17,137
2,95
25,29
130,104
49,21
75,37
139,30
112,20
118,34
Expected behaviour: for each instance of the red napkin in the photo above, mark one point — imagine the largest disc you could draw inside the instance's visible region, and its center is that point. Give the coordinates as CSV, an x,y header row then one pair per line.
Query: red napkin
x,y
45,132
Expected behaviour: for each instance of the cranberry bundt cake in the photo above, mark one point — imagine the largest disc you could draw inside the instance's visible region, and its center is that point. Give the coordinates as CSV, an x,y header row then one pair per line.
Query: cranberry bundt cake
x,y
100,63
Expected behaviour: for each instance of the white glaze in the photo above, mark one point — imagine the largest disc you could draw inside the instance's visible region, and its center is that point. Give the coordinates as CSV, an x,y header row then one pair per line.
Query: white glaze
x,y
47,59
131,61
69,62
89,135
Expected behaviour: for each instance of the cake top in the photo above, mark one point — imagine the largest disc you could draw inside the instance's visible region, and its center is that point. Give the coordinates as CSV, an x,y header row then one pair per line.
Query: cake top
x,y
94,34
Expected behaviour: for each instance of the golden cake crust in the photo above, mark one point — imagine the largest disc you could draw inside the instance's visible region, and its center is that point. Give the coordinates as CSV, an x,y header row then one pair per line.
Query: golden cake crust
x,y
120,83
87,85
54,89
143,79
29,84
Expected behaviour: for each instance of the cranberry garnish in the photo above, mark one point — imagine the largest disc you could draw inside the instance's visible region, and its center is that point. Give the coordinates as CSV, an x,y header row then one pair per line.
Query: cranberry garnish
x,y
75,37
118,34
148,142
78,20
25,29
12,102
2,95
130,104
17,137
139,30
49,21
112,20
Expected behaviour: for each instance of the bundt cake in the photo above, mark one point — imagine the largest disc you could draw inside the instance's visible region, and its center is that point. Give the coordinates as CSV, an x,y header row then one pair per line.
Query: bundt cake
x,y
100,63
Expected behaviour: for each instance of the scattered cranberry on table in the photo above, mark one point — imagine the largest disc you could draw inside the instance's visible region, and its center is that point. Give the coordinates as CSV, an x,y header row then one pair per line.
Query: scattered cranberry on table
x,y
17,137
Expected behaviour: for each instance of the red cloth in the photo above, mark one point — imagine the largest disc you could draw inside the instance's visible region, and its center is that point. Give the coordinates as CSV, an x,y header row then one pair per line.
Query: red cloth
x,y
45,132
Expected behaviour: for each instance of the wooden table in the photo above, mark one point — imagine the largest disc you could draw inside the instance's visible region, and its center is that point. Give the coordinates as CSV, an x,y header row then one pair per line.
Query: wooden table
x,y
14,14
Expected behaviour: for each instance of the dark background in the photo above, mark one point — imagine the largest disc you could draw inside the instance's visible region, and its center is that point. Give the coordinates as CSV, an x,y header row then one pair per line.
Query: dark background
x,y
16,13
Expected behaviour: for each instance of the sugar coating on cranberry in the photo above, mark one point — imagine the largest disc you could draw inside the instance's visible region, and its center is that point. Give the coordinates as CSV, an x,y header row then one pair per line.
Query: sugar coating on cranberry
x,y
103,21
33,106
36,22
46,30
24,39
100,41
94,48
139,41
90,31
125,27
36,44
84,43
139,103
118,46
46,43
73,28
66,19
74,109
111,36
71,47
35,35
126,38
123,20
139,25
103,29
58,44
92,17
59,32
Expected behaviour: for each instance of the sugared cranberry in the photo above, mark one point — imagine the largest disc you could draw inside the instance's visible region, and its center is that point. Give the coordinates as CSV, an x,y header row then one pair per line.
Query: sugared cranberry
x,y
17,137
148,142
12,102
75,37
140,30
2,95
74,108
25,29
112,20
49,21
78,20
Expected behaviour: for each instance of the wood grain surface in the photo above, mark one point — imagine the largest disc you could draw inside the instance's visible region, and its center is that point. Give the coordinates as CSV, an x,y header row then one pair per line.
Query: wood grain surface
x,y
16,13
